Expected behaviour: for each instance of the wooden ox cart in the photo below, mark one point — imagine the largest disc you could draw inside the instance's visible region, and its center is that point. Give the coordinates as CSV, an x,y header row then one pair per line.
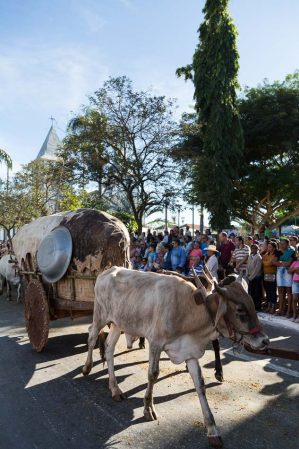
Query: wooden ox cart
x,y
59,257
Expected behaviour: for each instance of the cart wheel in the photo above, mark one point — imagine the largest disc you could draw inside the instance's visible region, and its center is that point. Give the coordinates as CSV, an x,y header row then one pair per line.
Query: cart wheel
x,y
37,315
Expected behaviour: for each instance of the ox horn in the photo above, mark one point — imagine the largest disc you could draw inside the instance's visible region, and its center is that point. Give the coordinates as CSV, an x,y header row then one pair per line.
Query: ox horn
x,y
198,283
221,290
208,273
206,276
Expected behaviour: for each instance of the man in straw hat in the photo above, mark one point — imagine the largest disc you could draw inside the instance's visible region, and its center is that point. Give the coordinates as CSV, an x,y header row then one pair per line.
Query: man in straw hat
x,y
212,262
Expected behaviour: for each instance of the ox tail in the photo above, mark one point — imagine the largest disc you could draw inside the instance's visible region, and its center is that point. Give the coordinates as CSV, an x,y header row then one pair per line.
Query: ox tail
x,y
101,341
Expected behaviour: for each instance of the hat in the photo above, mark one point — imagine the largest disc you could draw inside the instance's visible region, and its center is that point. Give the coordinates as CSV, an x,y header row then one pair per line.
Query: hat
x,y
211,248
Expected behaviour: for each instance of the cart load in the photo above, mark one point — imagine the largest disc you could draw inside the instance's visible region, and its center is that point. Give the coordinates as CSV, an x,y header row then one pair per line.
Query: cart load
x,y
59,257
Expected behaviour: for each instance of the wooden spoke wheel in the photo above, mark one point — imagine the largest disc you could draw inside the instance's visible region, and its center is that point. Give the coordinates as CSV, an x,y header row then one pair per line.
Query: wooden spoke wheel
x,y
37,314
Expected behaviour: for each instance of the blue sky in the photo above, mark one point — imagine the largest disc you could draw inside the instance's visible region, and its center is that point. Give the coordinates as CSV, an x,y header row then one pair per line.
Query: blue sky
x,y
53,53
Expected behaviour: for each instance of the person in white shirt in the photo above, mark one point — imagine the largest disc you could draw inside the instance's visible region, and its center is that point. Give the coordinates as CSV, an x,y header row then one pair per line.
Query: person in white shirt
x,y
188,232
212,262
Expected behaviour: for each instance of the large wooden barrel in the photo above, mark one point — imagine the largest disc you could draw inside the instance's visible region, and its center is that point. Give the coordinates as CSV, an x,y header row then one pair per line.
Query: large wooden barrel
x,y
99,241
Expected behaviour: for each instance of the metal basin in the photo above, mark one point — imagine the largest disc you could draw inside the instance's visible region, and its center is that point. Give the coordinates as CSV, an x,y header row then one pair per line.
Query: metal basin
x,y
54,254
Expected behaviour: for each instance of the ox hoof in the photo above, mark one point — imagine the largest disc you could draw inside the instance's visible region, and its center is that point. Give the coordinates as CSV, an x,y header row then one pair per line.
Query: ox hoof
x,y
150,415
215,441
219,376
86,369
119,397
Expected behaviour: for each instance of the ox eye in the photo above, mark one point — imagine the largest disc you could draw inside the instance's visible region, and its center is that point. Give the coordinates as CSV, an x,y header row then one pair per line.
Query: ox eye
x,y
240,310
241,314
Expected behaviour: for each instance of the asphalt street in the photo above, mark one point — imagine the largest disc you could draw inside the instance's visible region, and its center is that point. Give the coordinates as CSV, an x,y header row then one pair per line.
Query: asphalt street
x,y
46,403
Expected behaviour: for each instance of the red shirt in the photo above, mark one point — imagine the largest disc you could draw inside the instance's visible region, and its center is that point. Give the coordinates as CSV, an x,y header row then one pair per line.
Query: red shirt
x,y
226,252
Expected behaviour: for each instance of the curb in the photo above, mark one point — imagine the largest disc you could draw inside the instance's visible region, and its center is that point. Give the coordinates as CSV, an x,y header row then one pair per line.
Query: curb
x,y
278,321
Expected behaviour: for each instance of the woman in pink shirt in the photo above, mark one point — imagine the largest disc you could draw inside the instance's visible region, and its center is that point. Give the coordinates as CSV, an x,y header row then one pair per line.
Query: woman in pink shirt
x,y
194,255
294,270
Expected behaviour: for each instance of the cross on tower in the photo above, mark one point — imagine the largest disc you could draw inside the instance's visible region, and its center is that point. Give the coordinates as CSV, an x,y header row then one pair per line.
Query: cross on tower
x,y
52,119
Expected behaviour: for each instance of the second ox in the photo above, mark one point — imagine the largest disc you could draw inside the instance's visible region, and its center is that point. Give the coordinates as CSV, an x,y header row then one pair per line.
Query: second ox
x,y
175,317
9,276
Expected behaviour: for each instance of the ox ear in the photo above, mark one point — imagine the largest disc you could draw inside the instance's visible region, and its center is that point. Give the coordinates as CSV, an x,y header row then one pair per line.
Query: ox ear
x,y
199,296
221,311
222,307
244,284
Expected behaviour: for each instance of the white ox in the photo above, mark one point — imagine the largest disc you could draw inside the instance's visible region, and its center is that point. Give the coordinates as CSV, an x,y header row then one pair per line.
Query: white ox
x,y
175,317
8,275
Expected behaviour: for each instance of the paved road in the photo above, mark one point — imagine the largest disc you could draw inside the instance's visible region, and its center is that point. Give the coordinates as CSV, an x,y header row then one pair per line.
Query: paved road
x,y
45,402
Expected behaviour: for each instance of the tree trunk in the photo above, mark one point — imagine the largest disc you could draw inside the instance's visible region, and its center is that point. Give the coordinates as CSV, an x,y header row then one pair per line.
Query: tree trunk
x,y
100,181
139,224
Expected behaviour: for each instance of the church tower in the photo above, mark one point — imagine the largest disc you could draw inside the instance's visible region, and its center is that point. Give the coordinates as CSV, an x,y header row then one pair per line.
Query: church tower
x,y
50,146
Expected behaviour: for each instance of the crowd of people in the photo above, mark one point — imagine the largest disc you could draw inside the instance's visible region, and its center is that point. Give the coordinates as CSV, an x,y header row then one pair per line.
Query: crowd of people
x,y
270,266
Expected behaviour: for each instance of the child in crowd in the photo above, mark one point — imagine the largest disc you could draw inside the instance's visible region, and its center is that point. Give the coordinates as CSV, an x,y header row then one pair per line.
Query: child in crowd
x,y
194,255
143,265
151,258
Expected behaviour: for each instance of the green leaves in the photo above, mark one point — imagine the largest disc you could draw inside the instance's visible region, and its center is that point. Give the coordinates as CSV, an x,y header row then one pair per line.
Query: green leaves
x,y
122,142
4,157
268,185
215,66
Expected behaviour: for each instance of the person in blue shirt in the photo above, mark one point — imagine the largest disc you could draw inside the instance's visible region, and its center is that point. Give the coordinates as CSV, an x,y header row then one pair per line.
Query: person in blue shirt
x,y
189,243
167,257
151,258
204,243
178,256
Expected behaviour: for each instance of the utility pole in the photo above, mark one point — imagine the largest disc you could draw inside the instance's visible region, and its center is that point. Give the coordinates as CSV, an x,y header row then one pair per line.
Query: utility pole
x,y
201,219
166,204
7,178
193,220
179,214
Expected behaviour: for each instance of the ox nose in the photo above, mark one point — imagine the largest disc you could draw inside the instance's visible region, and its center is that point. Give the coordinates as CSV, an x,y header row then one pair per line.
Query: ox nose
x,y
266,341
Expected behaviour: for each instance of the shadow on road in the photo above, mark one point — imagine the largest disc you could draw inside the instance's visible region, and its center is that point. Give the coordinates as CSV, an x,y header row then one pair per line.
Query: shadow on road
x,y
64,410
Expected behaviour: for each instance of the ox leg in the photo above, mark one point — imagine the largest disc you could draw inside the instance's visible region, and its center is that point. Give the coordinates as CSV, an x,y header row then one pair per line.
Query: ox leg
x,y
94,331
8,289
153,373
19,292
1,284
110,344
195,372
218,366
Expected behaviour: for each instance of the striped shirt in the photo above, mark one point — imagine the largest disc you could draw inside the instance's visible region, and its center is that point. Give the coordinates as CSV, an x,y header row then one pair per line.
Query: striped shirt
x,y
239,255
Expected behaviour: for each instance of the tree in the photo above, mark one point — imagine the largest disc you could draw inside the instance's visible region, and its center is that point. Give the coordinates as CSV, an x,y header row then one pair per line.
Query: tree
x,y
124,139
4,157
47,185
16,209
267,190
42,182
83,150
214,73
